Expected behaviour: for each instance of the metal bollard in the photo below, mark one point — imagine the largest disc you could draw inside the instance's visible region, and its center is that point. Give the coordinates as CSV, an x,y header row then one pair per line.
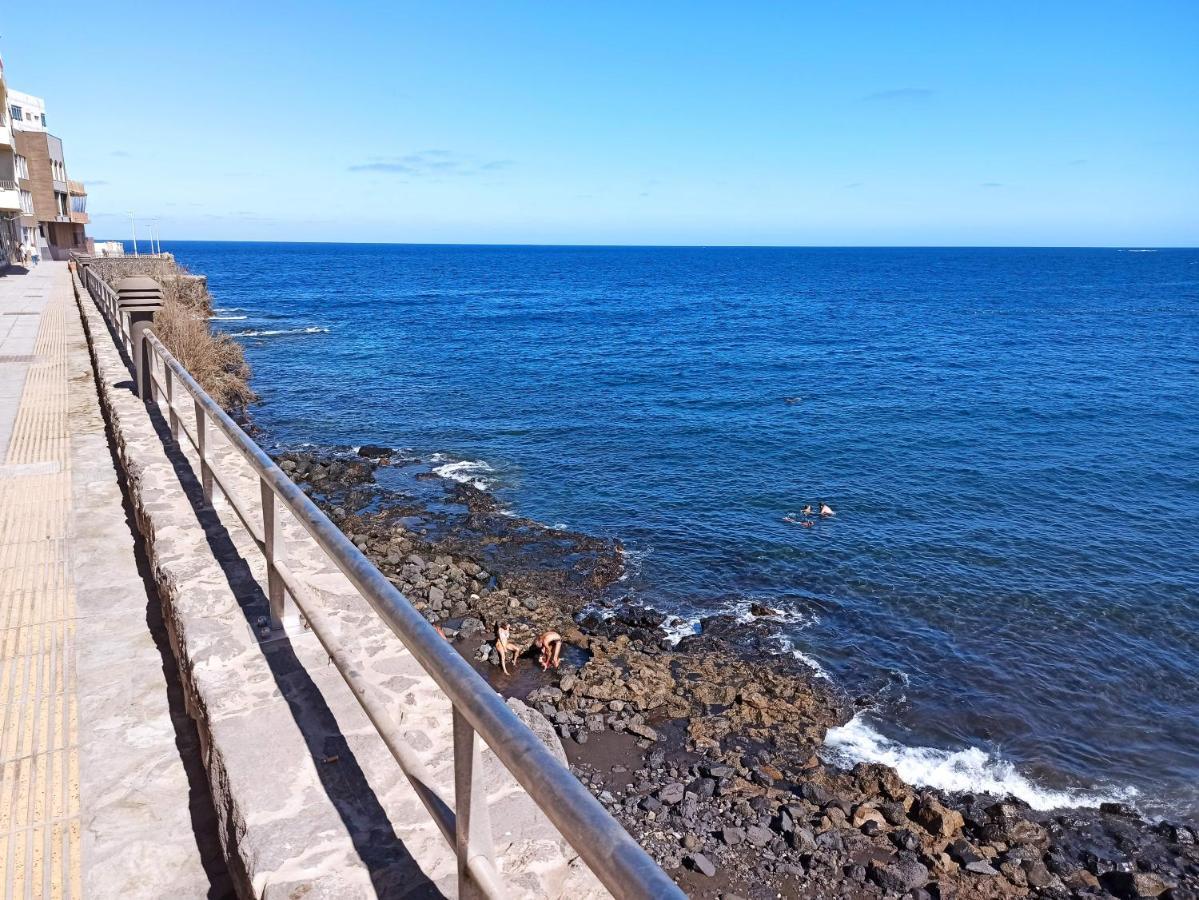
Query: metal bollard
x,y
139,298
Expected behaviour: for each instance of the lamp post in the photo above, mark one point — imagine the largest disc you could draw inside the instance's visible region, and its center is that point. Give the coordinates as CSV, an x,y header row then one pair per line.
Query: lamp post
x,y
133,228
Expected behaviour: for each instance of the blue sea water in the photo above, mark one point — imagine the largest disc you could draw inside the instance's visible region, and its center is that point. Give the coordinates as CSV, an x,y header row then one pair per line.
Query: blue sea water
x,y
1010,439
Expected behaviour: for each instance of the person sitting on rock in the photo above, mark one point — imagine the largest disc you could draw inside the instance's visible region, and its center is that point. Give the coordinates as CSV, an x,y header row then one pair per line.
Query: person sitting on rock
x,y
504,645
550,644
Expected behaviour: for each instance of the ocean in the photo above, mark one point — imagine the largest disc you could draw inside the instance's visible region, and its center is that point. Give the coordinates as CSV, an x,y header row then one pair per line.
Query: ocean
x,y
1009,438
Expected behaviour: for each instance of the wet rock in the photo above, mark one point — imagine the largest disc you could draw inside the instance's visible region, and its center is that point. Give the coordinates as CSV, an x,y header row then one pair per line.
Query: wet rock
x,y
374,451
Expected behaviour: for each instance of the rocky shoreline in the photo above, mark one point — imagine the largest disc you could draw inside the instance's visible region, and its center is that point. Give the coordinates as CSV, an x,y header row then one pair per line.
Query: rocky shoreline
x,y
707,751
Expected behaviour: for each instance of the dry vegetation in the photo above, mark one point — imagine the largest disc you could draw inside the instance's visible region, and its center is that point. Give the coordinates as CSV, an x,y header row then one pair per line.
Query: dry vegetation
x,y
215,360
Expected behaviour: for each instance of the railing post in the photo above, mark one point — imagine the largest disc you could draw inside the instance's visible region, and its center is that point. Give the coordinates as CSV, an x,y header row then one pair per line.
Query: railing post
x,y
271,546
140,298
472,821
171,414
202,449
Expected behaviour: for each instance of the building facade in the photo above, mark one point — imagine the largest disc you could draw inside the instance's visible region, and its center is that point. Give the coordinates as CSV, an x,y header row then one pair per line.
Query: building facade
x,y
10,191
53,208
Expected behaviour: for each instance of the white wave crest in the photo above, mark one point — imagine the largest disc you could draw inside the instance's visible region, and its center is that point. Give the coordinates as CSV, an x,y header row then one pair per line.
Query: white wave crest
x,y
465,471
312,329
220,310
226,318
676,629
972,770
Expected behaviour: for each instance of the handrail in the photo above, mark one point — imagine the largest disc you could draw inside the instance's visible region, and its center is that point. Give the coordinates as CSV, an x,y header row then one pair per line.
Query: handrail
x,y
613,856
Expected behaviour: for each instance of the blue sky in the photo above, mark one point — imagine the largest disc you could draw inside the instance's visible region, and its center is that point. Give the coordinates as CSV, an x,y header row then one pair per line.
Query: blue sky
x,y
1048,123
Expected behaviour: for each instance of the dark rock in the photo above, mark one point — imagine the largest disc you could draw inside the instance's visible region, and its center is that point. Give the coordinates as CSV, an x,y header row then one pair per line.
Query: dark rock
x,y
905,839
813,793
1134,885
963,853
374,451
650,804
1117,809
470,626
1176,834
900,877
1036,874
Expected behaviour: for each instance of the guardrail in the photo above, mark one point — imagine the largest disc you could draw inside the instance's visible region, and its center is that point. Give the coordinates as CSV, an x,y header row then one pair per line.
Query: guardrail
x,y
478,712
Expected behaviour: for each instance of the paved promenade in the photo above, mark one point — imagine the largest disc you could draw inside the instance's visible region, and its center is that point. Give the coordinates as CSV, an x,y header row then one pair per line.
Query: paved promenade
x,y
95,797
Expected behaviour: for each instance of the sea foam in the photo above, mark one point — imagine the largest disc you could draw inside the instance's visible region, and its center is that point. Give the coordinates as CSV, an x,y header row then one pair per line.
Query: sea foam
x,y
465,471
312,329
972,769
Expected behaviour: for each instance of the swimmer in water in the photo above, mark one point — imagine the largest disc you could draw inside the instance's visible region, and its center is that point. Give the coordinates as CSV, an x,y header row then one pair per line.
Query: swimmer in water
x,y
807,510
825,510
504,646
807,524
550,644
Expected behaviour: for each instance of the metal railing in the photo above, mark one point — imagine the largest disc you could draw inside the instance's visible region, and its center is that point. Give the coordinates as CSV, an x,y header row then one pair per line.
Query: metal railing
x,y
611,854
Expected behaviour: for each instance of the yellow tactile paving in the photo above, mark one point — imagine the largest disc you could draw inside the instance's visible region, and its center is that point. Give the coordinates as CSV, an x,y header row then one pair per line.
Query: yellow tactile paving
x,y
39,758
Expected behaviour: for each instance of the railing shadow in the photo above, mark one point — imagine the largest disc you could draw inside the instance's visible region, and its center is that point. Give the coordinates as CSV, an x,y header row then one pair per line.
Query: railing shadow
x,y
394,871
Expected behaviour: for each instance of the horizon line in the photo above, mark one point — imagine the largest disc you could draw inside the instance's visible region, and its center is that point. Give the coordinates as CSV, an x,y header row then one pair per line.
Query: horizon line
x,y
716,246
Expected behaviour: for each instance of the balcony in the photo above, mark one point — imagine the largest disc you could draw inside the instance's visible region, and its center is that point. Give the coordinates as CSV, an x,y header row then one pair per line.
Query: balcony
x,y
6,133
10,197
79,218
76,188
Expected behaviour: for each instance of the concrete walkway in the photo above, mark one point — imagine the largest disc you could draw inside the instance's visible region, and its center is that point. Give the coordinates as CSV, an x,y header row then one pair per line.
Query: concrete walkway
x,y
95,797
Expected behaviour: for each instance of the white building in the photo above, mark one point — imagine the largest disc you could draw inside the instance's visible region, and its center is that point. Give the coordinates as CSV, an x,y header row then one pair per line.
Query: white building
x,y
27,111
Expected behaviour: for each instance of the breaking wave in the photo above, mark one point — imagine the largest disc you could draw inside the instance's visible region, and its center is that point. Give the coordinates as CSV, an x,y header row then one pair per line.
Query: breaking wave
x,y
465,471
970,770
274,332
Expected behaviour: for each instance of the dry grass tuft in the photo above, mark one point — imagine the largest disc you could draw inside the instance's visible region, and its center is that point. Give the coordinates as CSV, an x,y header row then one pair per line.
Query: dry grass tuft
x,y
215,360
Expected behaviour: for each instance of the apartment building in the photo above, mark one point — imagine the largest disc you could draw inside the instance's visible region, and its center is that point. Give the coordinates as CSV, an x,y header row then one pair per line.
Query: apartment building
x,y
10,191
53,208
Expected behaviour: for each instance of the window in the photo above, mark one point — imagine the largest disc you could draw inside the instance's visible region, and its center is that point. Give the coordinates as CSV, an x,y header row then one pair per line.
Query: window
x,y
17,113
43,120
78,203
21,164
27,203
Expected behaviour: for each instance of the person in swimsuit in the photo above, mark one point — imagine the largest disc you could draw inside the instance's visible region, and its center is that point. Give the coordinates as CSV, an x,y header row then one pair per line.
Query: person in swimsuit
x,y
550,644
504,645
825,510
